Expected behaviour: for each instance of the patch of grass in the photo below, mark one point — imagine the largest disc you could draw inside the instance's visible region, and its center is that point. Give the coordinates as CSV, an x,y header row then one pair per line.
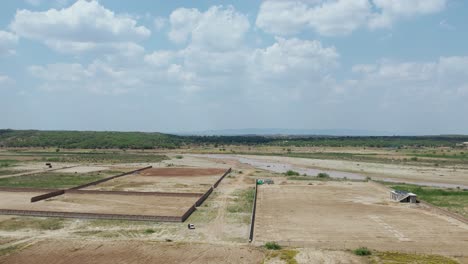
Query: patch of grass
x,y
404,258
10,172
149,231
287,256
7,163
362,251
292,173
18,223
455,200
54,179
272,246
243,202
323,175
179,157
9,250
113,223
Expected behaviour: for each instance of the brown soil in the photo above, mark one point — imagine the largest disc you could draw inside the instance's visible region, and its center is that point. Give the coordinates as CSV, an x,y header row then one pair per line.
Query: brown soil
x,y
73,251
99,203
344,215
182,172
180,184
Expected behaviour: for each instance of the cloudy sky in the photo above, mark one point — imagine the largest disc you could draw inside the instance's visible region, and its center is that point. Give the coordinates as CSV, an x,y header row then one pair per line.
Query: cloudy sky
x,y
380,65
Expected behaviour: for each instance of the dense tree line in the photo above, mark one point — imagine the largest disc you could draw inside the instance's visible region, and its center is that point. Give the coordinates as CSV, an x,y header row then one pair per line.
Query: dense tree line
x,y
141,140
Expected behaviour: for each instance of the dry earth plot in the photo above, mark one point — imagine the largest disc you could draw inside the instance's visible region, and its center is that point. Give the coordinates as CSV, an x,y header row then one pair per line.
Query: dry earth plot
x,y
347,215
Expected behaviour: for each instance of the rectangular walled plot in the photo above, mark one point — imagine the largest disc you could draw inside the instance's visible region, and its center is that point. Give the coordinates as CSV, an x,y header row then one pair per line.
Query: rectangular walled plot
x,y
339,215
100,204
141,183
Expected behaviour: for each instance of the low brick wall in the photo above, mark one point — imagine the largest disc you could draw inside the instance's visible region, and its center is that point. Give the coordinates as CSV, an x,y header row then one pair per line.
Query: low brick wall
x,y
47,196
60,192
221,178
135,193
108,179
14,189
203,197
92,215
254,210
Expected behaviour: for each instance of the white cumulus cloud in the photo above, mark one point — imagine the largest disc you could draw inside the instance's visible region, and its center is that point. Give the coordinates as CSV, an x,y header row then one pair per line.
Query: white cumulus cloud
x,y
339,17
7,42
217,28
83,26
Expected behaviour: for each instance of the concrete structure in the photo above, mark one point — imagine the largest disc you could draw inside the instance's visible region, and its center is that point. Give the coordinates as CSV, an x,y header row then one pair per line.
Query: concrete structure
x,y
403,196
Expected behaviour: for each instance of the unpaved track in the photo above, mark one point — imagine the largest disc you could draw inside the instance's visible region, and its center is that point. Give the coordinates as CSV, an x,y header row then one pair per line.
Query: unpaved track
x,y
120,252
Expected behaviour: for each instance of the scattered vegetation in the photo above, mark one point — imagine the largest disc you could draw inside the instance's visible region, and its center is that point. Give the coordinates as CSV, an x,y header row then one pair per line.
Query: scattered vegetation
x,y
404,258
272,246
7,163
149,231
292,173
455,200
323,175
243,202
18,223
140,140
362,251
54,179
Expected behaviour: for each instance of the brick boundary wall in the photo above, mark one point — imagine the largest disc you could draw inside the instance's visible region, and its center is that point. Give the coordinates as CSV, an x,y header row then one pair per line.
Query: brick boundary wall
x,y
14,189
60,192
221,178
47,195
254,210
188,213
92,215
108,178
203,197
172,194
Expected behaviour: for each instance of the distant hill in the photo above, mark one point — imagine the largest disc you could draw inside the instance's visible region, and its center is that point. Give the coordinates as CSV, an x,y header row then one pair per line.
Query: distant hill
x,y
142,140
282,131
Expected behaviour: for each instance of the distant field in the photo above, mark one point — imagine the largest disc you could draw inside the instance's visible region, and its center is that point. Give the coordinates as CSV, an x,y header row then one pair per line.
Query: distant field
x,y
94,157
54,179
455,200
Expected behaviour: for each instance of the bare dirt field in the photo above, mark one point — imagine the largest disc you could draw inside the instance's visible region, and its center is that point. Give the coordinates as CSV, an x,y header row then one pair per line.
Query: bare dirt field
x,y
99,203
179,180
182,172
347,215
73,251
83,169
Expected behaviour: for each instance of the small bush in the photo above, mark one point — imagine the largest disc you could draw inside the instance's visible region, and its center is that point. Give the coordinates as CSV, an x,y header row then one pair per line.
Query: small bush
x,y
323,175
149,231
362,251
179,157
292,173
414,159
272,246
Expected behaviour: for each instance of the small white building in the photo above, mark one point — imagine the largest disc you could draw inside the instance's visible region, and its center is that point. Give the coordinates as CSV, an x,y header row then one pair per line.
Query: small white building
x,y
403,196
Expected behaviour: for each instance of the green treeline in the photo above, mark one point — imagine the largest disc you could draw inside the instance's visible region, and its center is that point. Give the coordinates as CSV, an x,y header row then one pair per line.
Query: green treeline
x,y
142,140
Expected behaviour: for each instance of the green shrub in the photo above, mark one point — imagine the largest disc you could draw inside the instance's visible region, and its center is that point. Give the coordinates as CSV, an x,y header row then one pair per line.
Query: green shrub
x,y
272,246
362,251
323,175
179,157
149,231
292,173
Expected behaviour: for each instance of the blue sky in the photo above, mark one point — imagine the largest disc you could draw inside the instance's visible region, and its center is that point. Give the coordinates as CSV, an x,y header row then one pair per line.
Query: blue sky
x,y
398,66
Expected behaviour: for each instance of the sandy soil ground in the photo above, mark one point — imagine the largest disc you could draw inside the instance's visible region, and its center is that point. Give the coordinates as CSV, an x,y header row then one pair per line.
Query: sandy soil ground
x,y
83,169
72,251
344,215
100,203
168,172
139,183
379,171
